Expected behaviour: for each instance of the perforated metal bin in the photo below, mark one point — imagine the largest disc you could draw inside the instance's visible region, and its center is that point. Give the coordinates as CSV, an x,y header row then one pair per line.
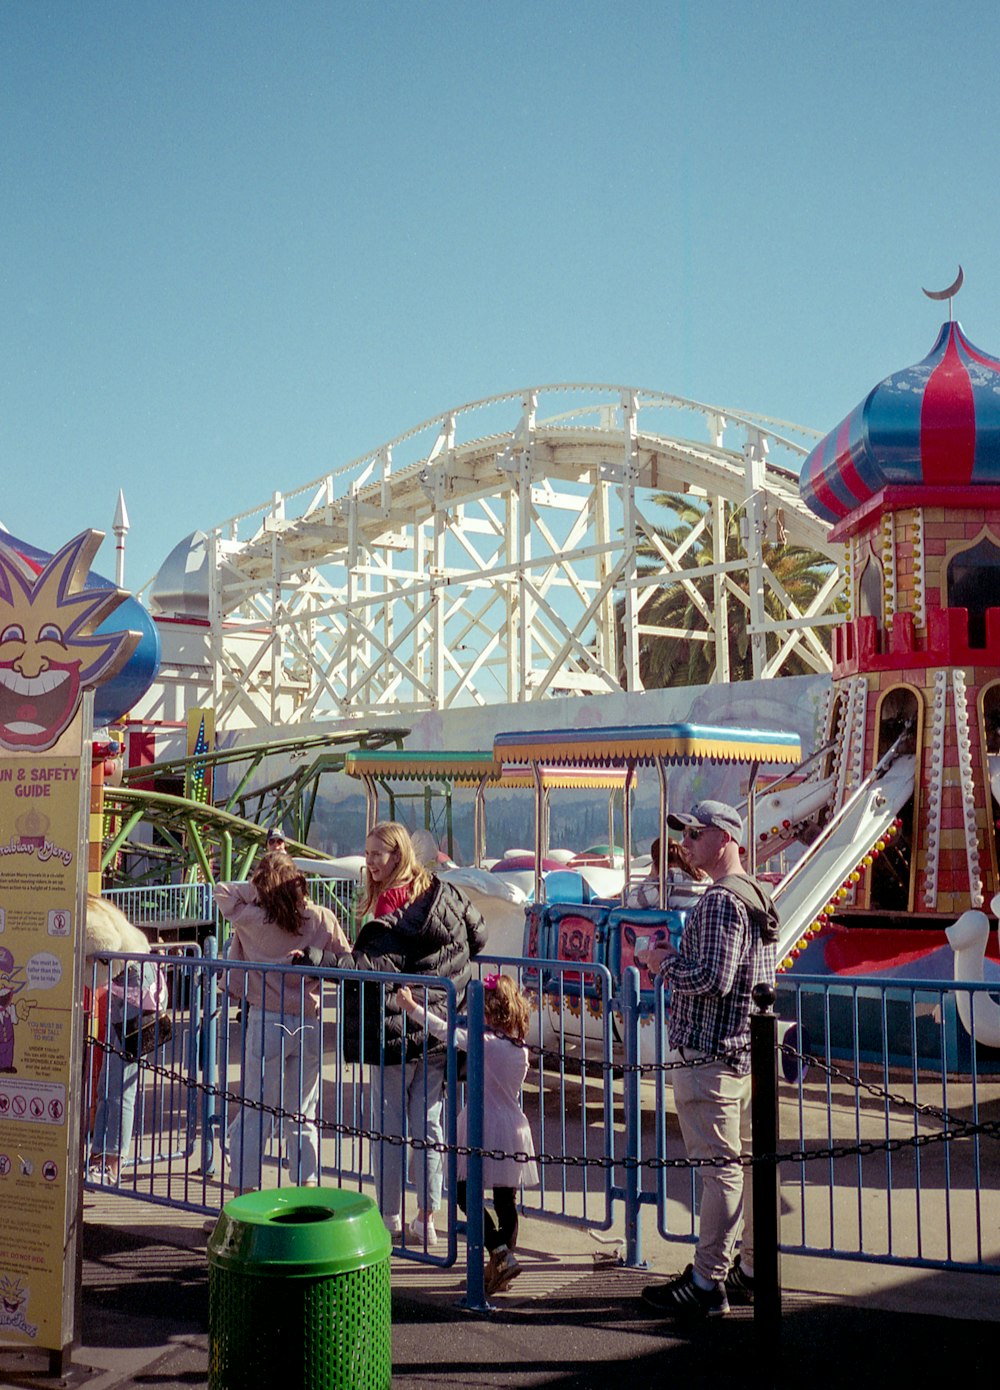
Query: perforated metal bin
x,y
299,1292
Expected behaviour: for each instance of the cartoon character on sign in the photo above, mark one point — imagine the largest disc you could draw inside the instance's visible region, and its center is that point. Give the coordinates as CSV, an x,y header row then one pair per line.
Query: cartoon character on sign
x,y
11,1011
13,1303
13,1295
49,650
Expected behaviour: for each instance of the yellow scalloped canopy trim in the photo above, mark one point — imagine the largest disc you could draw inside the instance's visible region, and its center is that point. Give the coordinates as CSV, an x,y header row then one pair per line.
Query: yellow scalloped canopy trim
x,y
674,743
461,769
566,778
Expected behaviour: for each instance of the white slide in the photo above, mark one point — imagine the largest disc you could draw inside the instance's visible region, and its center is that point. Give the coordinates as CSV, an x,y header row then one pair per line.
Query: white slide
x,y
781,817
864,819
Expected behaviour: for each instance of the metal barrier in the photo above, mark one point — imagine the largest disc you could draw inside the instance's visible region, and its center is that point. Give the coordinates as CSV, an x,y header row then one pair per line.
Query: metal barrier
x,y
253,1095
888,1142
340,895
175,907
571,1097
172,904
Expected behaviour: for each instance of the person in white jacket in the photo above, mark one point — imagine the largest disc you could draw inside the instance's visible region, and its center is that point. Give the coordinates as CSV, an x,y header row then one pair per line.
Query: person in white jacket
x,y
272,917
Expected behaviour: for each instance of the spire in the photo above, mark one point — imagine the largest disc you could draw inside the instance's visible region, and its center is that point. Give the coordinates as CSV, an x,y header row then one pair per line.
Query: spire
x,y
120,526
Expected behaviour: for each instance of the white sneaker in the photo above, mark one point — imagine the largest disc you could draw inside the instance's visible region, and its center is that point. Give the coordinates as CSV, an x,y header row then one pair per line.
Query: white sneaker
x,y
394,1225
423,1233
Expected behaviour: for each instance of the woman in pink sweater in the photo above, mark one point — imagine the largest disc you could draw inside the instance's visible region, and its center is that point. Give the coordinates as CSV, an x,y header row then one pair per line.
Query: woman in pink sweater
x,y
272,917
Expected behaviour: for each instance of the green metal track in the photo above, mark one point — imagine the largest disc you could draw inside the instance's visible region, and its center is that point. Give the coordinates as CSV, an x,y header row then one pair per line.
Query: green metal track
x,y
159,837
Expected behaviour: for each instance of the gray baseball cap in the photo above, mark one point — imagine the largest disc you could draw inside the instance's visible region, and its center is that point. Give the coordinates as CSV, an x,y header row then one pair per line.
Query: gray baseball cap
x,y
715,813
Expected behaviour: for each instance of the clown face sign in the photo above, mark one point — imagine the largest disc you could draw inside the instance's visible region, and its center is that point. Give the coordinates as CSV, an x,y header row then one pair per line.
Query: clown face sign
x,y
49,651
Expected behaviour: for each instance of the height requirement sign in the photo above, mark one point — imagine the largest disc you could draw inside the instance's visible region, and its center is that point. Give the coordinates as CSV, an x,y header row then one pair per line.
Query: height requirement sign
x,y
51,659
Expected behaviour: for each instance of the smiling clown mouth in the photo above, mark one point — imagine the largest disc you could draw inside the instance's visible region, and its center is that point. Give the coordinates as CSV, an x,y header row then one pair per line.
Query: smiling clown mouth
x,y
35,708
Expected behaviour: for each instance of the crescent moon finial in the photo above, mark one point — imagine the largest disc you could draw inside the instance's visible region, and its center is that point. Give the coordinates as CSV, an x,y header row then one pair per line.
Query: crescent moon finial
x,y
950,292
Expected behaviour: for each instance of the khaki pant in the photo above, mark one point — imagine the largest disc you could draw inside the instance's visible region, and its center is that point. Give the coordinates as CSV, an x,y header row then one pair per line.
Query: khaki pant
x,y
713,1106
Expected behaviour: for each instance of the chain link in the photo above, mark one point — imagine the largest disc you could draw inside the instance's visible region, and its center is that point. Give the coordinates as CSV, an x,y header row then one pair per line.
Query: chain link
x,y
858,1083
631,1068
955,1129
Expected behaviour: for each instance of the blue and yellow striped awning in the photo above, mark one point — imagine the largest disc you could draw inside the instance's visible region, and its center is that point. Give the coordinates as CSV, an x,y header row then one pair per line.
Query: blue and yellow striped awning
x,y
644,745
470,769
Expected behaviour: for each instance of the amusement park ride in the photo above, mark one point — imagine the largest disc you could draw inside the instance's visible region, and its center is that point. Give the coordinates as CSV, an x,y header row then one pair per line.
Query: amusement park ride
x,y
355,606
513,566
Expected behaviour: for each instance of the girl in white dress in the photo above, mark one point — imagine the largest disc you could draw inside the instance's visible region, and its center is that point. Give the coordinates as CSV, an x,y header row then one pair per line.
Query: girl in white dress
x,y
505,1125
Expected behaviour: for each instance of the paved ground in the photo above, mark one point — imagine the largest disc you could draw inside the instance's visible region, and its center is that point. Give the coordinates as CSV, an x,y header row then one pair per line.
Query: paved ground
x,y
565,1323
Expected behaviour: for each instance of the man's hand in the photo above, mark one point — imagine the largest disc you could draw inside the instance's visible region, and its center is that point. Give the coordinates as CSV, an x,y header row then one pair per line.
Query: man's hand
x,y
655,957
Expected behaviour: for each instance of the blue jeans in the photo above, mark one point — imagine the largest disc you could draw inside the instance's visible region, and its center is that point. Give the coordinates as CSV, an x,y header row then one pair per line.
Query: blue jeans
x,y
118,1086
281,1069
407,1100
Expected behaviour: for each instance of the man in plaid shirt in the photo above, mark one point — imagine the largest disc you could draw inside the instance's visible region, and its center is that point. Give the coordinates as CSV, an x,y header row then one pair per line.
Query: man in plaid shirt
x,y
723,953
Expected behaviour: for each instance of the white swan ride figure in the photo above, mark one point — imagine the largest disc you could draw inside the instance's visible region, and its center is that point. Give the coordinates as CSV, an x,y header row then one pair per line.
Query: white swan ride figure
x,y
967,938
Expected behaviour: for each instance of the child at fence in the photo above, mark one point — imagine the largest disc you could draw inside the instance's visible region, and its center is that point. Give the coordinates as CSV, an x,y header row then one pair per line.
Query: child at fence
x,y
273,919
505,1125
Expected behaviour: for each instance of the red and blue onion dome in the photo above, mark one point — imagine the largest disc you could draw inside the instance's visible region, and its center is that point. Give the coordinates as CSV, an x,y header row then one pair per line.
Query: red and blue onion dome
x,y
936,424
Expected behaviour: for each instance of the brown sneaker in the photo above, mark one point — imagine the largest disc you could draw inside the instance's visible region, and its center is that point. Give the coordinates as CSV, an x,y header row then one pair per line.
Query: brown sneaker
x,y
501,1271
491,1275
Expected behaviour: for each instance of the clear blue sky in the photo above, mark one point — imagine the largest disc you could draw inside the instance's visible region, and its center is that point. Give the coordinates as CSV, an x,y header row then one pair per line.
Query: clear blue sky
x,y
245,242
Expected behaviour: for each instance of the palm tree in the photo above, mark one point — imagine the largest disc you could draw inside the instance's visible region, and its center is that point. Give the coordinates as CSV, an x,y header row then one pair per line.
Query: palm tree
x,y
668,658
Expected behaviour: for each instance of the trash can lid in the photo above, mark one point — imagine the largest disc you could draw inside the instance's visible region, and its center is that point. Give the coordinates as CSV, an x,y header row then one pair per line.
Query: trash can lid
x,y
300,1232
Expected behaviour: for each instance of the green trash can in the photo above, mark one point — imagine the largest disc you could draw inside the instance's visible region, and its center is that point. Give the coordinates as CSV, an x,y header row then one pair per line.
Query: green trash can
x,y
299,1293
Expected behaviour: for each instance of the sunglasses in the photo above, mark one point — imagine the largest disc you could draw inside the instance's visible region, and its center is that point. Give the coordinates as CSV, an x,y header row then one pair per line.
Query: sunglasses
x,y
695,835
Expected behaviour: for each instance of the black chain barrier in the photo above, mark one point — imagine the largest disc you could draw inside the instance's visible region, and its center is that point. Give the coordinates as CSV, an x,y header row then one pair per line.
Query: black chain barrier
x,y
955,1129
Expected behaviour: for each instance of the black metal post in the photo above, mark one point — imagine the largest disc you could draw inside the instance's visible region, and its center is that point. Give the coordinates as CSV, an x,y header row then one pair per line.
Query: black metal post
x,y
765,1187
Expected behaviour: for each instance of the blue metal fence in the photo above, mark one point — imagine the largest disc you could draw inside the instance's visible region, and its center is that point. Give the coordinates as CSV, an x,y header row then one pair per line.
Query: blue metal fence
x,y
888,1123
188,909
893,1129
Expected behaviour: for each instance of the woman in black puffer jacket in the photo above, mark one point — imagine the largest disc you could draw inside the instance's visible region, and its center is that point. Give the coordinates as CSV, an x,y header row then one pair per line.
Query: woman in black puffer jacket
x,y
436,933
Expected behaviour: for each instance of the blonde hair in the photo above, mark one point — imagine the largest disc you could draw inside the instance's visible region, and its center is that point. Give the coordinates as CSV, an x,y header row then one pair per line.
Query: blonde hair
x,y
396,839
506,1009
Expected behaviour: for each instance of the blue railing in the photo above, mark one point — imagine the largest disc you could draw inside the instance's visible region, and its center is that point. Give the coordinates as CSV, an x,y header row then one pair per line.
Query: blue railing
x,y
188,909
899,1071
888,1145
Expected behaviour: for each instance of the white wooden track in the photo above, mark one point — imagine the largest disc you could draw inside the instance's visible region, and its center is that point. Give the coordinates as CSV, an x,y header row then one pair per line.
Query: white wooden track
x,y
479,557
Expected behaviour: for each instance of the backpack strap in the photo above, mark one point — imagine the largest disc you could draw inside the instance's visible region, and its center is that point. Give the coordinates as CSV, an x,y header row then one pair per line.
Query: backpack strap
x,y
757,900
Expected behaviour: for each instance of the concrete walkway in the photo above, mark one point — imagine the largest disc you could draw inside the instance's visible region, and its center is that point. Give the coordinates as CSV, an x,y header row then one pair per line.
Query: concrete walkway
x,y
565,1323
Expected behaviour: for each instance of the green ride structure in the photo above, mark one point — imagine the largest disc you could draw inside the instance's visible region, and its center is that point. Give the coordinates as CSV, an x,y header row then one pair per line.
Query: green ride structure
x,y
184,836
